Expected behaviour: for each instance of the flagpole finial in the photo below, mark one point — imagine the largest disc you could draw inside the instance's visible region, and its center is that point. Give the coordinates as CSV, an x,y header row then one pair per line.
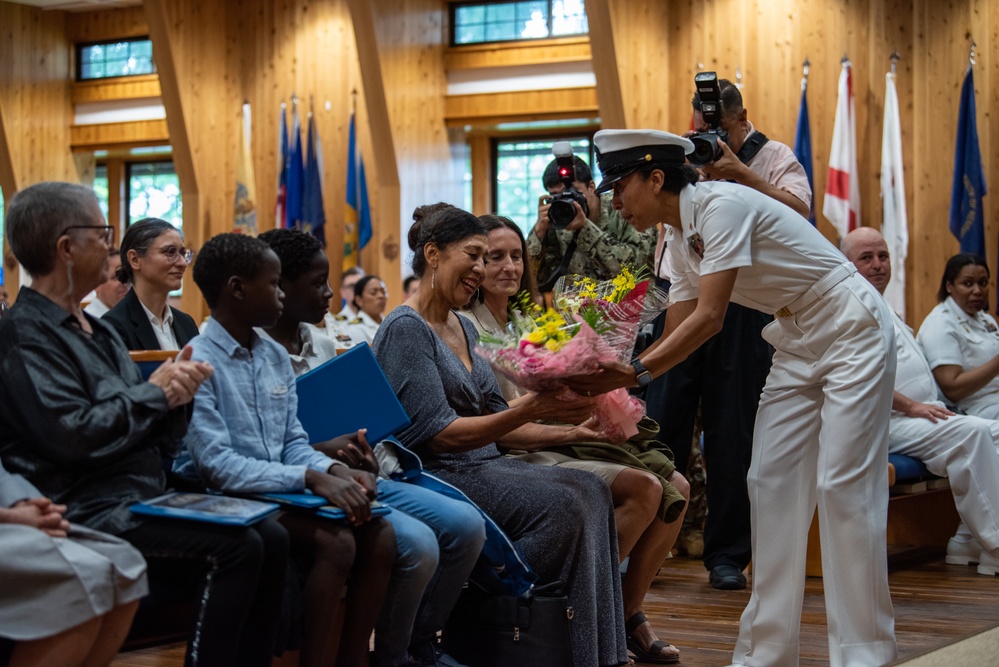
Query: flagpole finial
x,y
804,73
845,60
895,57
971,54
738,78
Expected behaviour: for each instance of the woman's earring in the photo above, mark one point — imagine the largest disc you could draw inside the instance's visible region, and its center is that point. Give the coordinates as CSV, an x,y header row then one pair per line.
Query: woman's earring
x,y
432,277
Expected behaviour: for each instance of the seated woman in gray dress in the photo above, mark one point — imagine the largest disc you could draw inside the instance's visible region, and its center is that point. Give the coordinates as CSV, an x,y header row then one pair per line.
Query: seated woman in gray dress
x,y
561,520
649,494
69,593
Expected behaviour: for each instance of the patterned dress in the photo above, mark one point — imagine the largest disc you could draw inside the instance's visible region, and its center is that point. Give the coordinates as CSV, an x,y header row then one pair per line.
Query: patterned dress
x,y
562,521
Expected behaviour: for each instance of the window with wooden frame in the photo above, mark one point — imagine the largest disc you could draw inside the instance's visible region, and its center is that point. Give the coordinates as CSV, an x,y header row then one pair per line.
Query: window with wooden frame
x,y
484,22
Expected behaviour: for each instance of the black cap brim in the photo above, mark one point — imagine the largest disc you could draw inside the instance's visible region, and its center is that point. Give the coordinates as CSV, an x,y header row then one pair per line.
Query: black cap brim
x,y
607,182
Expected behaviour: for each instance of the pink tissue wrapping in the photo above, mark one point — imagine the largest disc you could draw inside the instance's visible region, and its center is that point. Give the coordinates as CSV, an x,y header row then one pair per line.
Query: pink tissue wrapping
x,y
538,369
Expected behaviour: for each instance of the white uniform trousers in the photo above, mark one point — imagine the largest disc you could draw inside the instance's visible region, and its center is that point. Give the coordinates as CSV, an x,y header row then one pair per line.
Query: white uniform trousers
x,y
822,436
962,449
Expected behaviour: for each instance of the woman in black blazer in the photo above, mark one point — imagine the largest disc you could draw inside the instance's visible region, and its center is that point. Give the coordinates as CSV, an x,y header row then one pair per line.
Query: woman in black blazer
x,y
153,260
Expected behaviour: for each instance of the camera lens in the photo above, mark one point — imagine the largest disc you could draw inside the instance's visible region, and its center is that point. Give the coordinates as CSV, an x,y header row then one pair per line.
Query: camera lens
x,y
561,212
705,150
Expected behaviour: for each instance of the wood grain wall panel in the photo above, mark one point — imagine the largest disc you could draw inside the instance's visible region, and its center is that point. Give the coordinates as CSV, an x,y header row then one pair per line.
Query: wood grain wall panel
x,y
127,88
129,134
527,105
35,110
106,25
411,42
563,50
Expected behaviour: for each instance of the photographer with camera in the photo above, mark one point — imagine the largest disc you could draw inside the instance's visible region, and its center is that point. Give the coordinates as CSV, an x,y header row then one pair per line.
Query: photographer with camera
x,y
728,148
726,375
578,231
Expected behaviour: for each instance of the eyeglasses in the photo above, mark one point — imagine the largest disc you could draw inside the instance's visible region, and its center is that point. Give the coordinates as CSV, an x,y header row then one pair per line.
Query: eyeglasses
x,y
173,253
107,229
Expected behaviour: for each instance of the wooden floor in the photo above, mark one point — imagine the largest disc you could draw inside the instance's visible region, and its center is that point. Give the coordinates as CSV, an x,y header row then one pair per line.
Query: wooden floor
x,y
935,604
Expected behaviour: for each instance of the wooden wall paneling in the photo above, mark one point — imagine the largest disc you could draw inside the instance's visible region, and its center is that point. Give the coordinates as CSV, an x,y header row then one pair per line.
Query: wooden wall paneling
x,y
941,58
610,57
196,57
505,54
120,135
410,39
527,105
123,88
480,145
381,133
35,111
106,25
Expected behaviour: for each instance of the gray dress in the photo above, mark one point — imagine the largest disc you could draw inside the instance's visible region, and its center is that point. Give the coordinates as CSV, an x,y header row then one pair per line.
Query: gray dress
x,y
561,520
51,584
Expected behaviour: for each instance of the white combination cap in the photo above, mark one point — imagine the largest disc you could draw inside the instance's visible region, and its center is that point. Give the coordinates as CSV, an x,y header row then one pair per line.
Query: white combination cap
x,y
620,152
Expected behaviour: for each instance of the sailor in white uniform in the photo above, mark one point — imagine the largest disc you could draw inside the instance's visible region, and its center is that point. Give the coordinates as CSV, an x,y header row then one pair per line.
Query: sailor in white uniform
x,y
959,447
821,434
961,341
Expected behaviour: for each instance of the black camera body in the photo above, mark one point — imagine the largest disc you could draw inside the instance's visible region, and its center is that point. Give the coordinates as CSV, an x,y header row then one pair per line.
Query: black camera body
x,y
561,212
706,148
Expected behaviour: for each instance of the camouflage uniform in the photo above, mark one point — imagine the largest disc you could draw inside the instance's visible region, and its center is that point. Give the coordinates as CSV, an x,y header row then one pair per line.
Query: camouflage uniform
x,y
602,248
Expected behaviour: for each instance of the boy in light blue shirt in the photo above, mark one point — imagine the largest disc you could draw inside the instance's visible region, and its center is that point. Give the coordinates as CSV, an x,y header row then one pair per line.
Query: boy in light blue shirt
x,y
245,437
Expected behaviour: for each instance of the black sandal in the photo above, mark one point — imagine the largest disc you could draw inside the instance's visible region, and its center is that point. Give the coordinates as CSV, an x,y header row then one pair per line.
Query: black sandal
x,y
654,652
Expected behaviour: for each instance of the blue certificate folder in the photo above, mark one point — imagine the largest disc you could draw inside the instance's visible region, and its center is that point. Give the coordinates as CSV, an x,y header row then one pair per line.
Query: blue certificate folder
x,y
318,503
225,510
347,393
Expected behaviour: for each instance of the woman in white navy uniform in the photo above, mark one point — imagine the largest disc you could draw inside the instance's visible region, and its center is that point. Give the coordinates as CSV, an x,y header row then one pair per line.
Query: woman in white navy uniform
x,y
821,432
961,341
370,298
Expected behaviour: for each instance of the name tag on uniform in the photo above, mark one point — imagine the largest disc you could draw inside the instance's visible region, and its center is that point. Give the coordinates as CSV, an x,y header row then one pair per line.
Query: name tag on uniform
x,y
279,390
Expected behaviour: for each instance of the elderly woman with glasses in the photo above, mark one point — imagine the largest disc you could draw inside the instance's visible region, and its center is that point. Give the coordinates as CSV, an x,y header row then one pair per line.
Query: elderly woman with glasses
x,y
86,431
153,260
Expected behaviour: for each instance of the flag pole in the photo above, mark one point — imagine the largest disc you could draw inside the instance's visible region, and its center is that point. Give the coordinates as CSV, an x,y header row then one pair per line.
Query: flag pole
x,y
357,180
894,57
804,74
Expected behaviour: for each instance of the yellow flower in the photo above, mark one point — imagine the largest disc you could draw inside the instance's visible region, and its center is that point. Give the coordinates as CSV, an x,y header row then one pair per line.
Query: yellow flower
x,y
537,337
553,345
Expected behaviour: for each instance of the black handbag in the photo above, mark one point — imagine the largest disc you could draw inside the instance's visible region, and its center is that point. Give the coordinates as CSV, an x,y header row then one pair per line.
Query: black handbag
x,y
528,630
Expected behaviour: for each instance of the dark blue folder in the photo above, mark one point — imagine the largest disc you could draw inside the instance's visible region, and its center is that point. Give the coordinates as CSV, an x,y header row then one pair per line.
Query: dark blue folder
x,y
347,393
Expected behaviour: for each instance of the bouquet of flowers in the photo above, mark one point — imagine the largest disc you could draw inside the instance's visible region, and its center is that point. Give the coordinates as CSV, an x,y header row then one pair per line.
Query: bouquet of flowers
x,y
592,322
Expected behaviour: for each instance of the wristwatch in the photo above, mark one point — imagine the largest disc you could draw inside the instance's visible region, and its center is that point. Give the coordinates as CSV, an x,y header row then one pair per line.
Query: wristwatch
x,y
642,374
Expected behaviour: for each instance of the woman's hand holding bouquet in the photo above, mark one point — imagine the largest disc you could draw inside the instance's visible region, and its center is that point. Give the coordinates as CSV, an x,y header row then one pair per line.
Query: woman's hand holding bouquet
x,y
593,323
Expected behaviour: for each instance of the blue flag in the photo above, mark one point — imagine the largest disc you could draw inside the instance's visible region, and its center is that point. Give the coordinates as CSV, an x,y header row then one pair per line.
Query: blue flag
x,y
967,220
357,229
803,147
294,175
280,206
313,215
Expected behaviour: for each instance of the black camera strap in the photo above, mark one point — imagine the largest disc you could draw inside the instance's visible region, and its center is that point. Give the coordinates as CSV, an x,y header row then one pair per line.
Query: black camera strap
x,y
752,146
563,266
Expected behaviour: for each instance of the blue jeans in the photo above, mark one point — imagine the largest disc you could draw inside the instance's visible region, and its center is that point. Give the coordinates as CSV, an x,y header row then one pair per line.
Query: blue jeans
x,y
438,541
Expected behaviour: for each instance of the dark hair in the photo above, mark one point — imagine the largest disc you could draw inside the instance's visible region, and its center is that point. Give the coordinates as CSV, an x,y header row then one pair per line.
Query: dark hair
x,y
361,284
731,98
296,250
407,282
441,224
138,237
224,256
352,271
675,176
39,214
527,281
551,178
953,268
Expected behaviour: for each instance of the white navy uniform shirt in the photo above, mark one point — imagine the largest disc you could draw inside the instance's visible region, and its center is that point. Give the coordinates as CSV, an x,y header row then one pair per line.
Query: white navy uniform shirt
x,y
730,226
913,377
361,328
951,337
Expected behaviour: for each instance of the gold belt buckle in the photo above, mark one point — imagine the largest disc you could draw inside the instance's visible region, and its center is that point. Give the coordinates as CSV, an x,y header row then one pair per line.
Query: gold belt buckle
x,y
784,312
